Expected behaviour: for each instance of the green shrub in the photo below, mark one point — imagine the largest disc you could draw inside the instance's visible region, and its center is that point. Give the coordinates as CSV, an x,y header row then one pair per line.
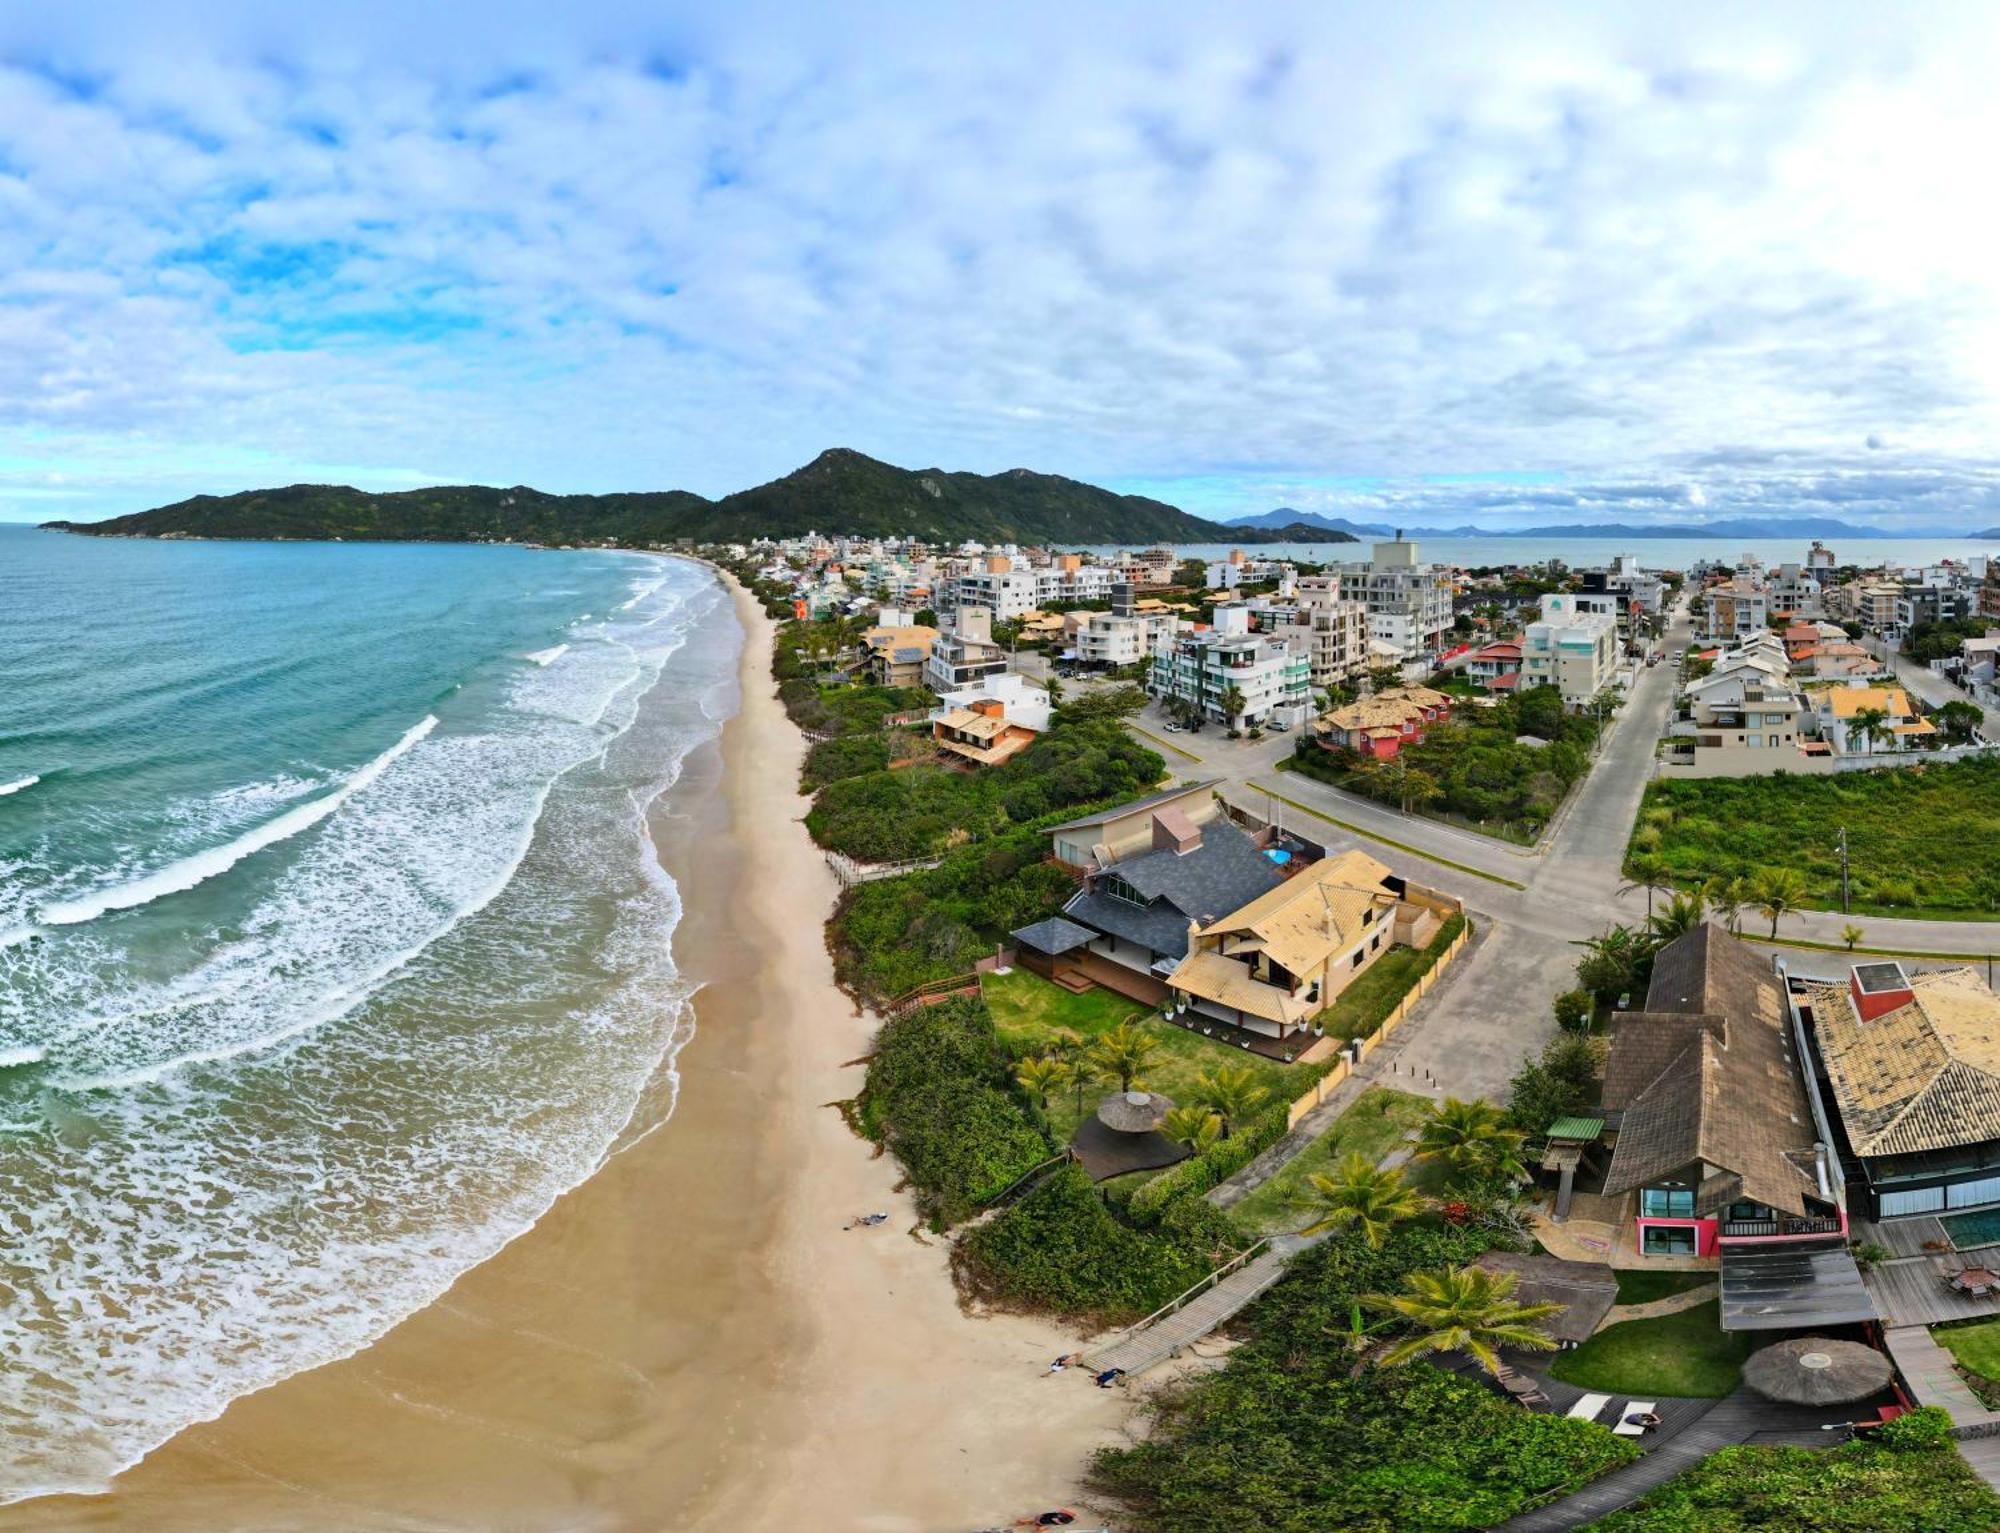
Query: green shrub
x,y
843,756
940,1093
1573,1011
1289,1438
1934,825
1909,1478
1215,1165
1061,1249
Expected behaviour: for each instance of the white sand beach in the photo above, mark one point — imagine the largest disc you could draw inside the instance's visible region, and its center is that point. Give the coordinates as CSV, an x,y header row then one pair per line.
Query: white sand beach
x,y
689,1340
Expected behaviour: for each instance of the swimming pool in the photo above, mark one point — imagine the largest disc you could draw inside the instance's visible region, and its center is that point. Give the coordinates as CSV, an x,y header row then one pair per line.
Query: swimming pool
x,y
1979,1228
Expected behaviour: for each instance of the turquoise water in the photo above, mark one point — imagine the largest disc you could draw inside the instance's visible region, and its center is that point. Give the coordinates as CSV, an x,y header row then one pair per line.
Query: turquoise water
x,y
1974,1229
332,947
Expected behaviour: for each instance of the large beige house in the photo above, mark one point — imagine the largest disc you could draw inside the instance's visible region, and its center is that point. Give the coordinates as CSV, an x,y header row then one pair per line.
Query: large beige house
x,y
1273,965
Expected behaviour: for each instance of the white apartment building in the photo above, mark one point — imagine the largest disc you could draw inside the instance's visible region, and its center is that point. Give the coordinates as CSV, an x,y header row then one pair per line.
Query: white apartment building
x,y
1329,629
1026,704
1109,639
1200,668
1736,610
1005,592
1573,647
965,654
1795,590
1408,604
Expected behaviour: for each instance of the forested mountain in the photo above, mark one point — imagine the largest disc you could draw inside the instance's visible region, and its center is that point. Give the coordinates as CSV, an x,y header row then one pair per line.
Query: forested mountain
x,y
840,491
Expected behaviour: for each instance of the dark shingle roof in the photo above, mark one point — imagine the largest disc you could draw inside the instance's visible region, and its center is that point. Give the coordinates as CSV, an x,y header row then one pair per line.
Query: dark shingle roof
x,y
1054,936
1730,1095
1223,874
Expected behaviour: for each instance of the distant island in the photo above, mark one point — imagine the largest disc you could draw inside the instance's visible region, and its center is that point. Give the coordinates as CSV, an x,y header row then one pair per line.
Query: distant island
x,y
841,492
1727,527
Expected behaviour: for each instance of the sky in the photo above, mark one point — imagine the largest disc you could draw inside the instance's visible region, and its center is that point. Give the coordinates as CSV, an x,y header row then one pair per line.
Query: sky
x,y
1429,264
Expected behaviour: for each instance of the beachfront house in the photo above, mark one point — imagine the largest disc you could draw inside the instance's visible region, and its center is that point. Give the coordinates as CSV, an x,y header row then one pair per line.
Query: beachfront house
x,y
1272,966
1138,903
898,652
980,735
1718,1142
1912,1063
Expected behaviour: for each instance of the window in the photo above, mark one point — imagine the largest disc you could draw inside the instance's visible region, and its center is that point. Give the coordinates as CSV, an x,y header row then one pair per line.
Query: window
x,y
1670,1240
1774,742
1666,1203
1118,889
1358,955
1375,942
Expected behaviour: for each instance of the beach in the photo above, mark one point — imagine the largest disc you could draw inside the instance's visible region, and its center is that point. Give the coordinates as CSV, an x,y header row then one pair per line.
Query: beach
x,y
689,1339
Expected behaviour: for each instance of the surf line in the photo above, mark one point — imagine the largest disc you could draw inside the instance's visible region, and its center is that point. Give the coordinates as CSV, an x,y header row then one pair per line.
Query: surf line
x,y
177,877
17,787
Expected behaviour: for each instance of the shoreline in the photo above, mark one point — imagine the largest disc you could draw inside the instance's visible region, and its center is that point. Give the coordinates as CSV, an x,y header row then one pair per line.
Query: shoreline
x,y
688,1339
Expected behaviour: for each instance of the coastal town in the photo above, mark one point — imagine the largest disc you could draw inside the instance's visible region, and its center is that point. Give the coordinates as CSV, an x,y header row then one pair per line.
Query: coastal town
x,y
1392,959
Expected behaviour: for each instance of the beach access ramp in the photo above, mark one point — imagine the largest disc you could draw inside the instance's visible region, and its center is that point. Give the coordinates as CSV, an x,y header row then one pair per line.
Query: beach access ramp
x,y
1217,1299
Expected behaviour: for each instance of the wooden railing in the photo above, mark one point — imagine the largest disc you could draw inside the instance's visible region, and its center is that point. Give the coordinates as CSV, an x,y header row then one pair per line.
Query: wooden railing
x,y
1028,1179
936,990
1181,1301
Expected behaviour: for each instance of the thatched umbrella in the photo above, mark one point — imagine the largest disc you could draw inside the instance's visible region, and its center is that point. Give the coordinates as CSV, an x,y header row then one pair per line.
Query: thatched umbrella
x,y
1812,1370
1134,1112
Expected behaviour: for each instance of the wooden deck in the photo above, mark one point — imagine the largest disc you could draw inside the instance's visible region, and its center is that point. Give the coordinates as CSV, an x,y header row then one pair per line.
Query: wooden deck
x,y
1910,1290
1902,1237
1927,1370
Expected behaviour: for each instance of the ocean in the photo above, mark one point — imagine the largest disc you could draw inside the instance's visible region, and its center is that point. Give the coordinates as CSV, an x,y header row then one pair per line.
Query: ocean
x,y
333,948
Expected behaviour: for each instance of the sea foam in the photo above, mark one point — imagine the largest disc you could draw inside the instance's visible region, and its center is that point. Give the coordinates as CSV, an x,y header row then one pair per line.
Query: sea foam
x,y
17,787
178,877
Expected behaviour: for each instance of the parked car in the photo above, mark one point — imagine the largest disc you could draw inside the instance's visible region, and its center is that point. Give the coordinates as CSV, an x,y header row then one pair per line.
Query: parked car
x,y
1278,724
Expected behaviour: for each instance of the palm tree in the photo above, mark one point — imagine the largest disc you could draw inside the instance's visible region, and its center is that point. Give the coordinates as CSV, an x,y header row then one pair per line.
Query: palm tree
x,y
1778,892
1682,914
1195,1127
1726,897
1122,1052
1361,1195
1464,1309
1038,1077
1054,685
1851,934
1472,1139
1870,724
1610,965
1231,1093
1647,872
1233,703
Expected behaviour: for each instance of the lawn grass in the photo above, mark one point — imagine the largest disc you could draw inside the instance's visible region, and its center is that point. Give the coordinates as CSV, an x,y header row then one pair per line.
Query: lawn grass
x,y
1687,1356
1028,1011
1644,1285
1976,1347
1361,1008
1374,1125
1919,837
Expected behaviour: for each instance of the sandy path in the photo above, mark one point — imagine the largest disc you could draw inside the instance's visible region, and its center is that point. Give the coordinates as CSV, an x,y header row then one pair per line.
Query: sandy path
x,y
689,1340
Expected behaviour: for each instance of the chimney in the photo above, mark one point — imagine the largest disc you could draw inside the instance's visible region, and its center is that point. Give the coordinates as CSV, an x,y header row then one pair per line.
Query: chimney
x,y
1878,989
1173,829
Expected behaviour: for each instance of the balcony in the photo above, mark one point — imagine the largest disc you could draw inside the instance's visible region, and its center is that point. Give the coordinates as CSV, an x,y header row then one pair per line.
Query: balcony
x,y
1783,1224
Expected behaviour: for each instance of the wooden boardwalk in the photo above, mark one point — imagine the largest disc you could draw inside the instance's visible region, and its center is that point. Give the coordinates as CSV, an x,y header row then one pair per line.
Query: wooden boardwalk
x,y
1927,1369
1149,1344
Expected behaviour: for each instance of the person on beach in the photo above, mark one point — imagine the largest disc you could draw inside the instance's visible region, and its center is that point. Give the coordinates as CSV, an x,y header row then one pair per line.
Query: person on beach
x,y
865,1221
1063,1362
1109,1377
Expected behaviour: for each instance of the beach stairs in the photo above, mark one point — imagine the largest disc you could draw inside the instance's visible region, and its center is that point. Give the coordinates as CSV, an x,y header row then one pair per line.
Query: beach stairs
x,y
1213,1302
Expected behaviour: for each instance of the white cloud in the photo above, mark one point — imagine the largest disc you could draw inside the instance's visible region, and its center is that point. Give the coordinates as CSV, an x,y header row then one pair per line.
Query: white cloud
x,y
1288,246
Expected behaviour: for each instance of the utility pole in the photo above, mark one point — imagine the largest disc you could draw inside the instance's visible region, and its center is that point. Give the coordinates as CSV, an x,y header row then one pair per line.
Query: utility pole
x,y
1843,870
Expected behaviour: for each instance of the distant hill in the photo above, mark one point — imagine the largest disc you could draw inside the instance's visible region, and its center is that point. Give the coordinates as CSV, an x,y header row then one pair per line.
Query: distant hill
x,y
1285,516
840,491
1727,527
